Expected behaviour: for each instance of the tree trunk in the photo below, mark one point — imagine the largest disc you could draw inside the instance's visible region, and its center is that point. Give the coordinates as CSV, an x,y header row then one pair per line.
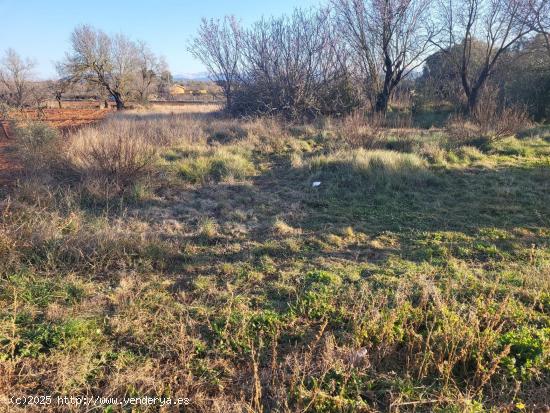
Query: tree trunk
x,y
119,102
472,101
229,103
58,97
383,97
473,93
382,101
228,98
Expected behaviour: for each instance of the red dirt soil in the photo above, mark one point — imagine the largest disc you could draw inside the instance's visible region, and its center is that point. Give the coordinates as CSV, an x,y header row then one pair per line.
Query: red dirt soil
x,y
65,120
8,165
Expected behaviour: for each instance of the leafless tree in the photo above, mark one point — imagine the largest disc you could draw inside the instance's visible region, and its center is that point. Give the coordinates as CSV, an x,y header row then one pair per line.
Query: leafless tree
x,y
538,16
40,93
389,39
150,69
108,61
15,77
60,87
291,62
497,24
218,46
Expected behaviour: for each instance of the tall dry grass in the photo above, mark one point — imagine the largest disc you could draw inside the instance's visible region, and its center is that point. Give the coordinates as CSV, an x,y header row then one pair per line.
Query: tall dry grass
x,y
119,155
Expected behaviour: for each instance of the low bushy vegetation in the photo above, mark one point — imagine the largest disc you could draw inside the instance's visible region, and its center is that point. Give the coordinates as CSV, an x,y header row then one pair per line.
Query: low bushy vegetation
x,y
38,145
488,124
119,154
413,277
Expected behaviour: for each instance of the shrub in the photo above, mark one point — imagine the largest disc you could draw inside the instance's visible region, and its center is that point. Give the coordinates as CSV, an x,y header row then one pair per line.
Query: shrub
x,y
488,123
5,110
120,156
358,131
38,145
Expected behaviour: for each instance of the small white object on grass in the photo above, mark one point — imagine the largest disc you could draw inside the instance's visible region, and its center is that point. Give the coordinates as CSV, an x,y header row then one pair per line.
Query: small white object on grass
x,y
316,184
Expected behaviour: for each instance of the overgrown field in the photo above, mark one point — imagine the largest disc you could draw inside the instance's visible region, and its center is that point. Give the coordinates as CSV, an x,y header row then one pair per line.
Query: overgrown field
x,y
188,255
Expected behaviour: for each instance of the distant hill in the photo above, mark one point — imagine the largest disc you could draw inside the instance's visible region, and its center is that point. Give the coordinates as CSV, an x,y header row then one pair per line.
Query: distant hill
x,y
200,76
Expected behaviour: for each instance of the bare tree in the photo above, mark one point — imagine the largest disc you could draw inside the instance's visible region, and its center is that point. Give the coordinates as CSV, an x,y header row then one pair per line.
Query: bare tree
x,y
290,62
218,46
150,68
15,77
40,93
109,62
538,17
497,24
60,87
389,39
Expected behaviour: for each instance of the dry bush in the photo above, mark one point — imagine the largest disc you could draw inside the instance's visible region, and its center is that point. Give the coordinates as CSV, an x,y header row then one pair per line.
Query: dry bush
x,y
38,147
489,122
461,130
498,124
360,131
398,120
5,110
119,155
177,108
267,129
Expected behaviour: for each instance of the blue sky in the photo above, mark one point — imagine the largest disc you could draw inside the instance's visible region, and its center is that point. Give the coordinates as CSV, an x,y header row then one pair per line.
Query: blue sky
x,y
41,29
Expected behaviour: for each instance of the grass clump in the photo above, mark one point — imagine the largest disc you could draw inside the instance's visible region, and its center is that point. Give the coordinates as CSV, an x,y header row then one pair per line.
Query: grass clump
x,y
217,166
359,168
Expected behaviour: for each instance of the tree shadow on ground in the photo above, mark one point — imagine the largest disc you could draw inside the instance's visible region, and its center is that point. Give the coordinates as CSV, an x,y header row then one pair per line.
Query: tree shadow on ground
x,y
466,201
456,200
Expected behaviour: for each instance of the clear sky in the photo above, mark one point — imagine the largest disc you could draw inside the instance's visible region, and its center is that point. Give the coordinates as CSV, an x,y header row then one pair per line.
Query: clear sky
x,y
40,29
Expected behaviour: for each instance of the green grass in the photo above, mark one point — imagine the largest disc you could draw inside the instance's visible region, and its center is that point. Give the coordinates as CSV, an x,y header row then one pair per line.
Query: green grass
x,y
411,279
359,169
218,166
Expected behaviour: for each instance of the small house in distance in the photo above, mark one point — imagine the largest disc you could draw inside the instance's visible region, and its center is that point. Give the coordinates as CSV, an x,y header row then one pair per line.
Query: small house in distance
x,y
176,90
